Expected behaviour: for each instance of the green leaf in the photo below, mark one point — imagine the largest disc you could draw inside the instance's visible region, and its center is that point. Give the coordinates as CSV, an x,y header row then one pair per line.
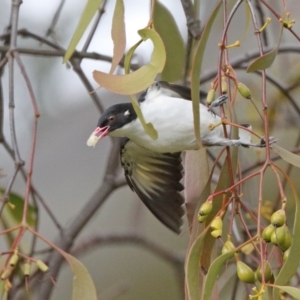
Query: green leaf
x,y
128,56
118,35
289,268
203,244
290,290
196,175
15,215
213,274
83,286
287,155
148,127
193,277
223,183
265,61
192,272
196,69
166,27
140,79
89,11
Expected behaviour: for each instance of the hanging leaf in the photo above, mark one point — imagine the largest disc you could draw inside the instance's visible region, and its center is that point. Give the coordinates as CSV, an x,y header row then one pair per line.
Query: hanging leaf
x,y
83,286
89,11
148,127
128,56
289,268
213,274
196,69
290,290
265,61
13,212
192,273
140,79
118,35
286,155
166,27
196,175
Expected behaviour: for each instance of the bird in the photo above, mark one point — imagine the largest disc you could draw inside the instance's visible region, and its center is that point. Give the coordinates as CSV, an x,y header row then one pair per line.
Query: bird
x,y
153,167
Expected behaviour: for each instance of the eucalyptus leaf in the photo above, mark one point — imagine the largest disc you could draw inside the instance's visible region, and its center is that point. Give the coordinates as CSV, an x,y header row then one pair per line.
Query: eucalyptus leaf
x,y
289,268
192,273
83,286
265,61
166,27
148,127
140,79
196,175
290,290
286,155
13,214
196,69
89,11
213,274
118,35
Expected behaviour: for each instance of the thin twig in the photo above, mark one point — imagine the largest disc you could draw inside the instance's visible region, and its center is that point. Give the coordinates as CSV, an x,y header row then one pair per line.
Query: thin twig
x,y
55,18
192,23
89,244
92,32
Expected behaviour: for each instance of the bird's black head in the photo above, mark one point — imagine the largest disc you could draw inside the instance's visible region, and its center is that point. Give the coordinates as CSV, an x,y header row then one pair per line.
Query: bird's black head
x,y
113,118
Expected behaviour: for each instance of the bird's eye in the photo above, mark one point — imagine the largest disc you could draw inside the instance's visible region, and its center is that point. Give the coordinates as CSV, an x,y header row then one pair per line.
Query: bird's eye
x,y
111,118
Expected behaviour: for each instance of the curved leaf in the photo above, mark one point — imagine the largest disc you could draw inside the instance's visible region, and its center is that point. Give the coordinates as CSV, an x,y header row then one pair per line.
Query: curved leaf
x,y
223,183
196,69
166,27
290,267
265,61
13,215
83,286
287,155
290,290
118,35
148,127
89,11
140,79
192,273
197,251
213,274
196,171
128,56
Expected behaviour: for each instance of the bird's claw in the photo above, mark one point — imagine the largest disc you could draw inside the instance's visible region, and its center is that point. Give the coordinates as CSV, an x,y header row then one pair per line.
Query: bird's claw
x,y
218,102
272,140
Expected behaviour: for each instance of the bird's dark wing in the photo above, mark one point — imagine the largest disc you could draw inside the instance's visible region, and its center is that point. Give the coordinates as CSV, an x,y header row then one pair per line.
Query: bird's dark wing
x,y
176,90
155,177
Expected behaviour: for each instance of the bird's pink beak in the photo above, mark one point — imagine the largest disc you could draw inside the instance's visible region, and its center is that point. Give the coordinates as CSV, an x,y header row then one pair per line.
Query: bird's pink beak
x,y
98,134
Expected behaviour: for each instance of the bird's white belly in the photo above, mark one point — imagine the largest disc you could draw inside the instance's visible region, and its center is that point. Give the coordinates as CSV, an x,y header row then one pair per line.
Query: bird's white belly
x,y
173,120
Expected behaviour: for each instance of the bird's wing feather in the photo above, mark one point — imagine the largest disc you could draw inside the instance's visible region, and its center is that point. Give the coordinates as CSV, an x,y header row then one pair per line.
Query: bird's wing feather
x,y
155,177
175,91
179,91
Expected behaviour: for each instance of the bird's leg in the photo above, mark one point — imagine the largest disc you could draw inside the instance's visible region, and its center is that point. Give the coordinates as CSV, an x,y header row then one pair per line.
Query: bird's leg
x,y
218,102
261,144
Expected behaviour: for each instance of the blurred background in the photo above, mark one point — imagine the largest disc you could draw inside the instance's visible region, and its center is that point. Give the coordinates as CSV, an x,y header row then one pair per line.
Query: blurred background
x,y
67,172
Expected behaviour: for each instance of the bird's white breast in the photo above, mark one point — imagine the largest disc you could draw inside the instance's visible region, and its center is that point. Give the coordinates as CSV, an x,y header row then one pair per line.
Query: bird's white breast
x,y
173,120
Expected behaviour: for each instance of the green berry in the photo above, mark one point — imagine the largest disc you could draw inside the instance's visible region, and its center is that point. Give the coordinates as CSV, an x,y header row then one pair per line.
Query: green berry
x,y
244,272
278,218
